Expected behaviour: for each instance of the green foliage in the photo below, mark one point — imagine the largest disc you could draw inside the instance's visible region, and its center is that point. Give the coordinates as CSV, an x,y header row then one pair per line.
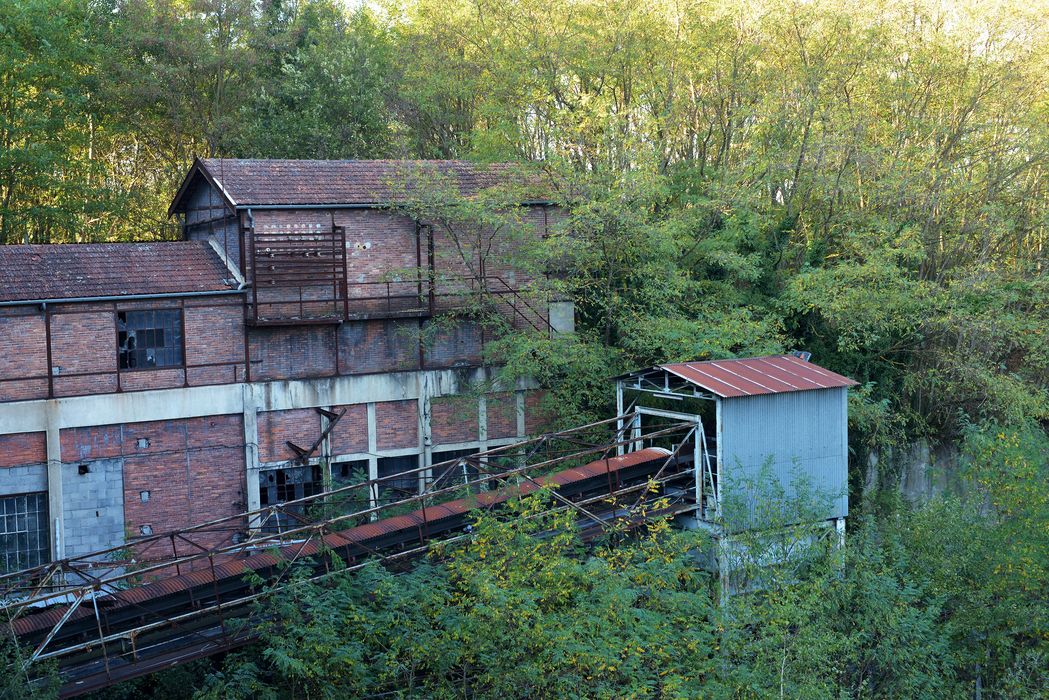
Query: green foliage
x,y
323,85
925,602
47,50
15,683
518,612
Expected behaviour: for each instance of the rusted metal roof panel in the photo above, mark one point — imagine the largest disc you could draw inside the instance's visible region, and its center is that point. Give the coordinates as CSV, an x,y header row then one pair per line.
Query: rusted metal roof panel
x,y
752,376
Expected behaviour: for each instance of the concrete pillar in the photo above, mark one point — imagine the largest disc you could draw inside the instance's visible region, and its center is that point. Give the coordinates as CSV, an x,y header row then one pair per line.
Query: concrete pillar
x,y
325,452
482,422
425,414
520,397
55,499
251,449
373,448
620,449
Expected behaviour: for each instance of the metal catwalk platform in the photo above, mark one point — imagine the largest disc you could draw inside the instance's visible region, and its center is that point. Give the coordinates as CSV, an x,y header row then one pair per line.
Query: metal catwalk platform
x,y
172,597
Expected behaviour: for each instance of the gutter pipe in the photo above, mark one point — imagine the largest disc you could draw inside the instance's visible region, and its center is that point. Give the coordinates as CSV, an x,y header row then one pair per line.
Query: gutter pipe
x,y
117,297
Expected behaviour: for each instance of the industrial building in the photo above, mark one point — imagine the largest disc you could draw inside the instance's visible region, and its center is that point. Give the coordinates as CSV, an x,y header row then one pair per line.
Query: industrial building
x,y
302,379
183,594
303,333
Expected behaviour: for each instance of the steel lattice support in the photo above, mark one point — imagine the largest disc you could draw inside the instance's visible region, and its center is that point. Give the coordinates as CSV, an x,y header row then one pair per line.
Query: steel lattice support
x,y
134,627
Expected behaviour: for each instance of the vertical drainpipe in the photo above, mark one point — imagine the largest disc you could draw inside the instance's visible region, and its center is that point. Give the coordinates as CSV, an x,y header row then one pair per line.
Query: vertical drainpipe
x,y
47,341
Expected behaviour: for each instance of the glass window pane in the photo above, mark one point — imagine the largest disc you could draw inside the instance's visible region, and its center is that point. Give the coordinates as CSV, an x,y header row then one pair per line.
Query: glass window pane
x,y
150,338
24,533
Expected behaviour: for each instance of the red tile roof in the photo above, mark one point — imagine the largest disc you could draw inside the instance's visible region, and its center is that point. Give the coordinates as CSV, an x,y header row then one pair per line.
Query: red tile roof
x,y
750,376
248,182
74,271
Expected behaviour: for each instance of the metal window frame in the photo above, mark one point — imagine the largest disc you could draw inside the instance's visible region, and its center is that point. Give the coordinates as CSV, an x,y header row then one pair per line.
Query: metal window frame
x,y
180,347
43,551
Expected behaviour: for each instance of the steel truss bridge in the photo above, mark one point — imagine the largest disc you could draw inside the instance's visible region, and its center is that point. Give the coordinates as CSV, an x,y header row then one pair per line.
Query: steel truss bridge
x,y
172,597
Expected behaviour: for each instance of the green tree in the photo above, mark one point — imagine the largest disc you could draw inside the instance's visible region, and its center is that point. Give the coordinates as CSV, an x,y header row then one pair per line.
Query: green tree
x,y
48,52
324,80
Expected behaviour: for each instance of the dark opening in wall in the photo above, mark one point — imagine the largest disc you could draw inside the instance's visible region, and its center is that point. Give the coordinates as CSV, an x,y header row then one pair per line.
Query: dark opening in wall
x,y
444,475
399,487
278,486
346,474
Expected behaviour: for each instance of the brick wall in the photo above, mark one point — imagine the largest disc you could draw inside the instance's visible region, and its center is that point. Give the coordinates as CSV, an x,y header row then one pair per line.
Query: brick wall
x,y
84,343
193,468
453,419
214,334
350,434
96,442
452,343
292,352
379,245
390,345
301,426
501,413
538,414
18,449
396,424
22,355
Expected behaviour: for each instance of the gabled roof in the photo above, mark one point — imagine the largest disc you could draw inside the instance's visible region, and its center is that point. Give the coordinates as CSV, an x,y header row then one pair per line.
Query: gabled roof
x,y
258,182
751,376
76,271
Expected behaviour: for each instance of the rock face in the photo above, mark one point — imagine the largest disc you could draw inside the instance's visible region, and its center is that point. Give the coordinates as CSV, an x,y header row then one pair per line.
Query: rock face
x,y
920,472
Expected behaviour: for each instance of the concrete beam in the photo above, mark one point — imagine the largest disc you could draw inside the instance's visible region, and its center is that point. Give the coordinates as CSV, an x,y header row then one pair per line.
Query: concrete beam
x,y
225,399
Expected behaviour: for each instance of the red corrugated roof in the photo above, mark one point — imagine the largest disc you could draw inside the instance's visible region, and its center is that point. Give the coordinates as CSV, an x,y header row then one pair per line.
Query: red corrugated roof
x,y
78,270
750,376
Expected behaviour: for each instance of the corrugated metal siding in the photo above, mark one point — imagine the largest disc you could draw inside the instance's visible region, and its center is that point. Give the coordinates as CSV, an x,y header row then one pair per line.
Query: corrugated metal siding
x,y
802,432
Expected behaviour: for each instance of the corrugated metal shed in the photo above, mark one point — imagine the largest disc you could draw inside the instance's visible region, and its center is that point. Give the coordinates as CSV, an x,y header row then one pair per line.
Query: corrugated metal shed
x,y
775,374
780,430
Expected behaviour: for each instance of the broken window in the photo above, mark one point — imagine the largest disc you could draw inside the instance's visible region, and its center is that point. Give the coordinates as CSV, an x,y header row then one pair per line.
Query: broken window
x,y
399,487
278,486
346,474
24,541
452,474
151,338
